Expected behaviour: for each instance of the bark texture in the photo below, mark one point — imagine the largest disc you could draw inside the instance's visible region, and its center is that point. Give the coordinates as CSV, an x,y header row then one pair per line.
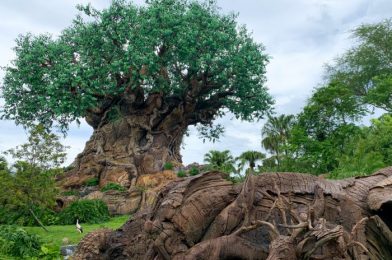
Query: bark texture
x,y
270,216
130,140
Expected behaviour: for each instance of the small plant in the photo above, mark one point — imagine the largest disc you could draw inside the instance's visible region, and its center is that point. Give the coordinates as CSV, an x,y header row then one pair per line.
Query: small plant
x,y
194,171
16,242
70,193
181,174
112,186
168,166
92,182
87,211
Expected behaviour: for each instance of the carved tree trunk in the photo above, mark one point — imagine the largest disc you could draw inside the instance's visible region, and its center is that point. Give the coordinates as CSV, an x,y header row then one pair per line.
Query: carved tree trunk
x,y
130,142
270,216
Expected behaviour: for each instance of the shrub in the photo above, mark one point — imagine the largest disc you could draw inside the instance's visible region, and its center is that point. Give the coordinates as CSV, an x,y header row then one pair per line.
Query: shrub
x,y
16,242
87,211
168,166
92,182
70,193
181,173
194,171
112,186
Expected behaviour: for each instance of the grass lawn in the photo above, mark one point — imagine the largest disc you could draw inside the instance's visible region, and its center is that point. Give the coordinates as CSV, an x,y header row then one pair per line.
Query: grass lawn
x,y
56,234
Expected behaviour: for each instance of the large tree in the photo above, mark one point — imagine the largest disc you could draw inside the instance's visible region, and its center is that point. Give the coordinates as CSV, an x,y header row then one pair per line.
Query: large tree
x,y
366,69
139,75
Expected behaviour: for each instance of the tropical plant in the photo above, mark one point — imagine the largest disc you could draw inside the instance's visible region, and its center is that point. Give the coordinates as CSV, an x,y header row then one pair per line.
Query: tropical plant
x,y
249,158
276,133
220,161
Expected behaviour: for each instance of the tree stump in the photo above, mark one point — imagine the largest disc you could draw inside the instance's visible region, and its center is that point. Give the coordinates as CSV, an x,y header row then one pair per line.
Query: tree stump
x,y
270,216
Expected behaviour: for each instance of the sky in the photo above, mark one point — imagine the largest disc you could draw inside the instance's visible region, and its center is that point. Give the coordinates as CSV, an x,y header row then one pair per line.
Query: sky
x,y
300,36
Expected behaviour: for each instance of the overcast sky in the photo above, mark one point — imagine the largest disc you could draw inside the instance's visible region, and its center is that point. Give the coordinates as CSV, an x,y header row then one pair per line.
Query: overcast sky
x,y
300,36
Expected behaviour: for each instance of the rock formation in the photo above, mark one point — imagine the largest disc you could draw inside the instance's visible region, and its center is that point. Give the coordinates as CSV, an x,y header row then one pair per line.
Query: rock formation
x,y
270,216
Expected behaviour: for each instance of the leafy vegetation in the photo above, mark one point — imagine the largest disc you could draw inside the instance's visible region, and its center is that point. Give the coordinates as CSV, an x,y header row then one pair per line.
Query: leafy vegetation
x,y
112,186
70,193
22,192
92,182
181,174
220,160
126,50
42,150
87,211
16,242
193,171
168,166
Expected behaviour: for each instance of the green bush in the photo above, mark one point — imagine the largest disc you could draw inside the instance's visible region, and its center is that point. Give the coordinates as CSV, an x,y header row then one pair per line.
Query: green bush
x,y
16,242
87,211
92,182
168,166
70,193
194,171
112,186
181,174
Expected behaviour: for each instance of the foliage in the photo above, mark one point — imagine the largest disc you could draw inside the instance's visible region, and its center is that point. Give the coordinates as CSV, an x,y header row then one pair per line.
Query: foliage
x,y
70,193
43,149
21,216
185,50
249,158
193,171
27,190
181,174
366,69
168,166
87,211
276,133
92,182
112,186
220,160
16,242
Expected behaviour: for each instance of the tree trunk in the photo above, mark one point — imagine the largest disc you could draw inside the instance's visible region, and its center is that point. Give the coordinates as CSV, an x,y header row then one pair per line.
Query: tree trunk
x,y
270,216
125,148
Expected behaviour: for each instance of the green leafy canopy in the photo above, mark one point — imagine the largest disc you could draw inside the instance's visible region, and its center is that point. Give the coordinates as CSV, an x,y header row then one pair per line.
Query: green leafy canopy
x,y
179,48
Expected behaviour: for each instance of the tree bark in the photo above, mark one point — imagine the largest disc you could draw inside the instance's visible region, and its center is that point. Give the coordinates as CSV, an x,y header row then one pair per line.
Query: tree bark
x,y
270,216
134,143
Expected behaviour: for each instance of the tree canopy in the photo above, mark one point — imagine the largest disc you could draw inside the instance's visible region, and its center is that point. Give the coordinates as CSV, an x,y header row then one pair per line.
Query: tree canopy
x,y
185,51
366,69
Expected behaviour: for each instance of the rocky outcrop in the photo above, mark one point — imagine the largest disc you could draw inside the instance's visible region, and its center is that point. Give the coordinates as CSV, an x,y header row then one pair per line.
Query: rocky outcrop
x,y
143,193
270,216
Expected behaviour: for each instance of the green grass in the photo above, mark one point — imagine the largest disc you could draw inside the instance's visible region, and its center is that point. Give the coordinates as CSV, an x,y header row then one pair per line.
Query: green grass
x,y
56,234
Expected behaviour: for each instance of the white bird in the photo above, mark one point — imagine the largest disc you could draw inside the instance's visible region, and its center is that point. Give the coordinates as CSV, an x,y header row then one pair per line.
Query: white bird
x,y
78,226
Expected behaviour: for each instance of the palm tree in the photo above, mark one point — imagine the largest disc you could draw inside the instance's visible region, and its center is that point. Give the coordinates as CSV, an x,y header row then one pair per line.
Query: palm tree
x,y
276,133
220,160
249,158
